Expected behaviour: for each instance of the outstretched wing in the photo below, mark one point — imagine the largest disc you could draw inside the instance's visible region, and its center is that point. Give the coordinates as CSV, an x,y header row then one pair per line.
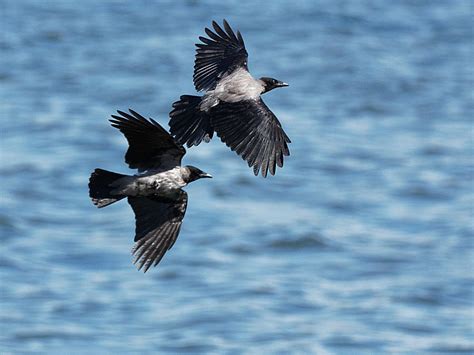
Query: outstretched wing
x,y
251,130
218,56
158,222
150,145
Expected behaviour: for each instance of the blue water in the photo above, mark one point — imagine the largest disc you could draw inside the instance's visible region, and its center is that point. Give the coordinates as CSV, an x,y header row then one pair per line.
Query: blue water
x,y
362,243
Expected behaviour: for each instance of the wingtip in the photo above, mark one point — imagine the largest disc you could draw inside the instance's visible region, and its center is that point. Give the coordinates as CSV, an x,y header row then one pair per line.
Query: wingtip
x,y
240,38
147,267
219,29
141,267
140,264
134,113
256,169
116,121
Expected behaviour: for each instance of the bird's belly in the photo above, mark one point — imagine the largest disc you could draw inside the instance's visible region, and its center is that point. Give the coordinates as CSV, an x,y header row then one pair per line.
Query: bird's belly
x,y
234,93
236,87
157,185
166,188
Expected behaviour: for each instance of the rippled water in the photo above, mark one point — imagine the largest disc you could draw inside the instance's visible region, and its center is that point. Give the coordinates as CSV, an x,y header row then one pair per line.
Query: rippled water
x,y
362,243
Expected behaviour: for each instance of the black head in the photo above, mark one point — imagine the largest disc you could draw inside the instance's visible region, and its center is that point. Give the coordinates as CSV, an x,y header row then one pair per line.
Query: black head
x,y
271,84
192,174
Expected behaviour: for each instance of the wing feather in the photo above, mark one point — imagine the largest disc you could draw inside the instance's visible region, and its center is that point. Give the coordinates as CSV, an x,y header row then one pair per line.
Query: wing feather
x,y
251,130
224,50
157,225
150,145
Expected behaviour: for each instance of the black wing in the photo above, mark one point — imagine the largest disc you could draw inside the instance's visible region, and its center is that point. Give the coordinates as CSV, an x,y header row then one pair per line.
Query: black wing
x,y
150,145
218,56
188,124
157,227
251,130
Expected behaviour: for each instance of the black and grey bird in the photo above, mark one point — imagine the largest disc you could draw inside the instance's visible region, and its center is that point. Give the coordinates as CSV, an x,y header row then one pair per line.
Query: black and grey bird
x,y
155,193
232,105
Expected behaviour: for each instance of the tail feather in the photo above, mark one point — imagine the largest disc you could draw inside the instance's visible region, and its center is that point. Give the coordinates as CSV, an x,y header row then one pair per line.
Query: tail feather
x,y
100,190
188,124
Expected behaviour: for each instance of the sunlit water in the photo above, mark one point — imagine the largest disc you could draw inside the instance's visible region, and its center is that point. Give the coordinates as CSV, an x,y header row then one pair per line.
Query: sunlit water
x,y
362,243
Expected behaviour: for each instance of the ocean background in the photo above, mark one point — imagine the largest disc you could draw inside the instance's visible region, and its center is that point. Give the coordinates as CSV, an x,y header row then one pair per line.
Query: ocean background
x,y
361,244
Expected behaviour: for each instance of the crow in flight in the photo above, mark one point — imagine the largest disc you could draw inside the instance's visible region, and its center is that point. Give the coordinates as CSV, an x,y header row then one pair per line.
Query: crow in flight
x,y
155,193
232,105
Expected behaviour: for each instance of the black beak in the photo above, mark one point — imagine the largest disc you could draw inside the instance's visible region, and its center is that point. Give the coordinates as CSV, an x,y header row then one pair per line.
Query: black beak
x,y
205,175
281,84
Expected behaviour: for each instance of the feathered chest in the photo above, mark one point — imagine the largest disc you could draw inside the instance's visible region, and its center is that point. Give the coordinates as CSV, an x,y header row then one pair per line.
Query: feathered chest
x,y
237,86
161,184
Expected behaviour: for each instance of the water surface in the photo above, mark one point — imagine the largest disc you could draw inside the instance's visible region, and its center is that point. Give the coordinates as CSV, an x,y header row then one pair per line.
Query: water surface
x,y
362,243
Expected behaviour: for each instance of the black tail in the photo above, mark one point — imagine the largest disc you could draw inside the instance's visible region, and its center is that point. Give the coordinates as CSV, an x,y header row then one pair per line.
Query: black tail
x,y
100,190
188,124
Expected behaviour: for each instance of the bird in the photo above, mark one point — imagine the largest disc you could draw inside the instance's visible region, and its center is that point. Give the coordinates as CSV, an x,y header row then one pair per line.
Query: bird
x,y
231,106
155,193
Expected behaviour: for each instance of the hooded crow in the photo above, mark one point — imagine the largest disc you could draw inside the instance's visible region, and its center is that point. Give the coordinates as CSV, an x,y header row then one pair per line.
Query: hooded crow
x,y
231,106
155,194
